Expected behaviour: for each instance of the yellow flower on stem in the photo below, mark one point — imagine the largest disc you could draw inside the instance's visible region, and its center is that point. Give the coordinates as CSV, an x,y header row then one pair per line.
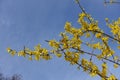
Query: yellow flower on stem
x,y
8,50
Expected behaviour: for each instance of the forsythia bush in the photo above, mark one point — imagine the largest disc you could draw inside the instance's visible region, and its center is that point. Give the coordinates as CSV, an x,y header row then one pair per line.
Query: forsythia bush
x,y
74,43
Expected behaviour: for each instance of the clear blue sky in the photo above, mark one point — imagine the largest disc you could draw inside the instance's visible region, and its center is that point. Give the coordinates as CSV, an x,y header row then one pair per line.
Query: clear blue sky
x,y
30,22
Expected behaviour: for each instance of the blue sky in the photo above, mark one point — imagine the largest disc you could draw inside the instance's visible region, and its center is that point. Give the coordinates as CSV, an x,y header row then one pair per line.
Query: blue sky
x,y
30,22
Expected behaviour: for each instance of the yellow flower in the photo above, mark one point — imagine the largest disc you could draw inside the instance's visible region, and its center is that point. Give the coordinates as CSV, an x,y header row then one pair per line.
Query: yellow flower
x,y
105,38
46,57
98,35
68,26
13,52
111,52
54,44
37,48
65,46
115,31
21,53
68,53
84,61
96,45
81,17
76,55
106,19
104,69
112,77
115,65
58,55
37,57
8,50
45,51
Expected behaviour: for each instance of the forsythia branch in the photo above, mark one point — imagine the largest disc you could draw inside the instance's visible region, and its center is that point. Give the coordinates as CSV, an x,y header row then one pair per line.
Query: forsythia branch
x,y
71,46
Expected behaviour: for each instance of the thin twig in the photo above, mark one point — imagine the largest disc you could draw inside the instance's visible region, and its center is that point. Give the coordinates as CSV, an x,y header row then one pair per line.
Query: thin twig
x,y
103,34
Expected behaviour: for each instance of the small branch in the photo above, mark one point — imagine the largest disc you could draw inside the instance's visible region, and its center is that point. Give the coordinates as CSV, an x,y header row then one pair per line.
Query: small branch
x,y
98,73
91,54
46,40
83,10
103,34
103,58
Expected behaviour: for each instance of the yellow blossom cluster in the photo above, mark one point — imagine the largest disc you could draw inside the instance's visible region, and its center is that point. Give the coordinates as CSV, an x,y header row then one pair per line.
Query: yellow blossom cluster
x,y
112,77
115,28
72,57
12,52
90,67
54,44
70,46
104,69
38,53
